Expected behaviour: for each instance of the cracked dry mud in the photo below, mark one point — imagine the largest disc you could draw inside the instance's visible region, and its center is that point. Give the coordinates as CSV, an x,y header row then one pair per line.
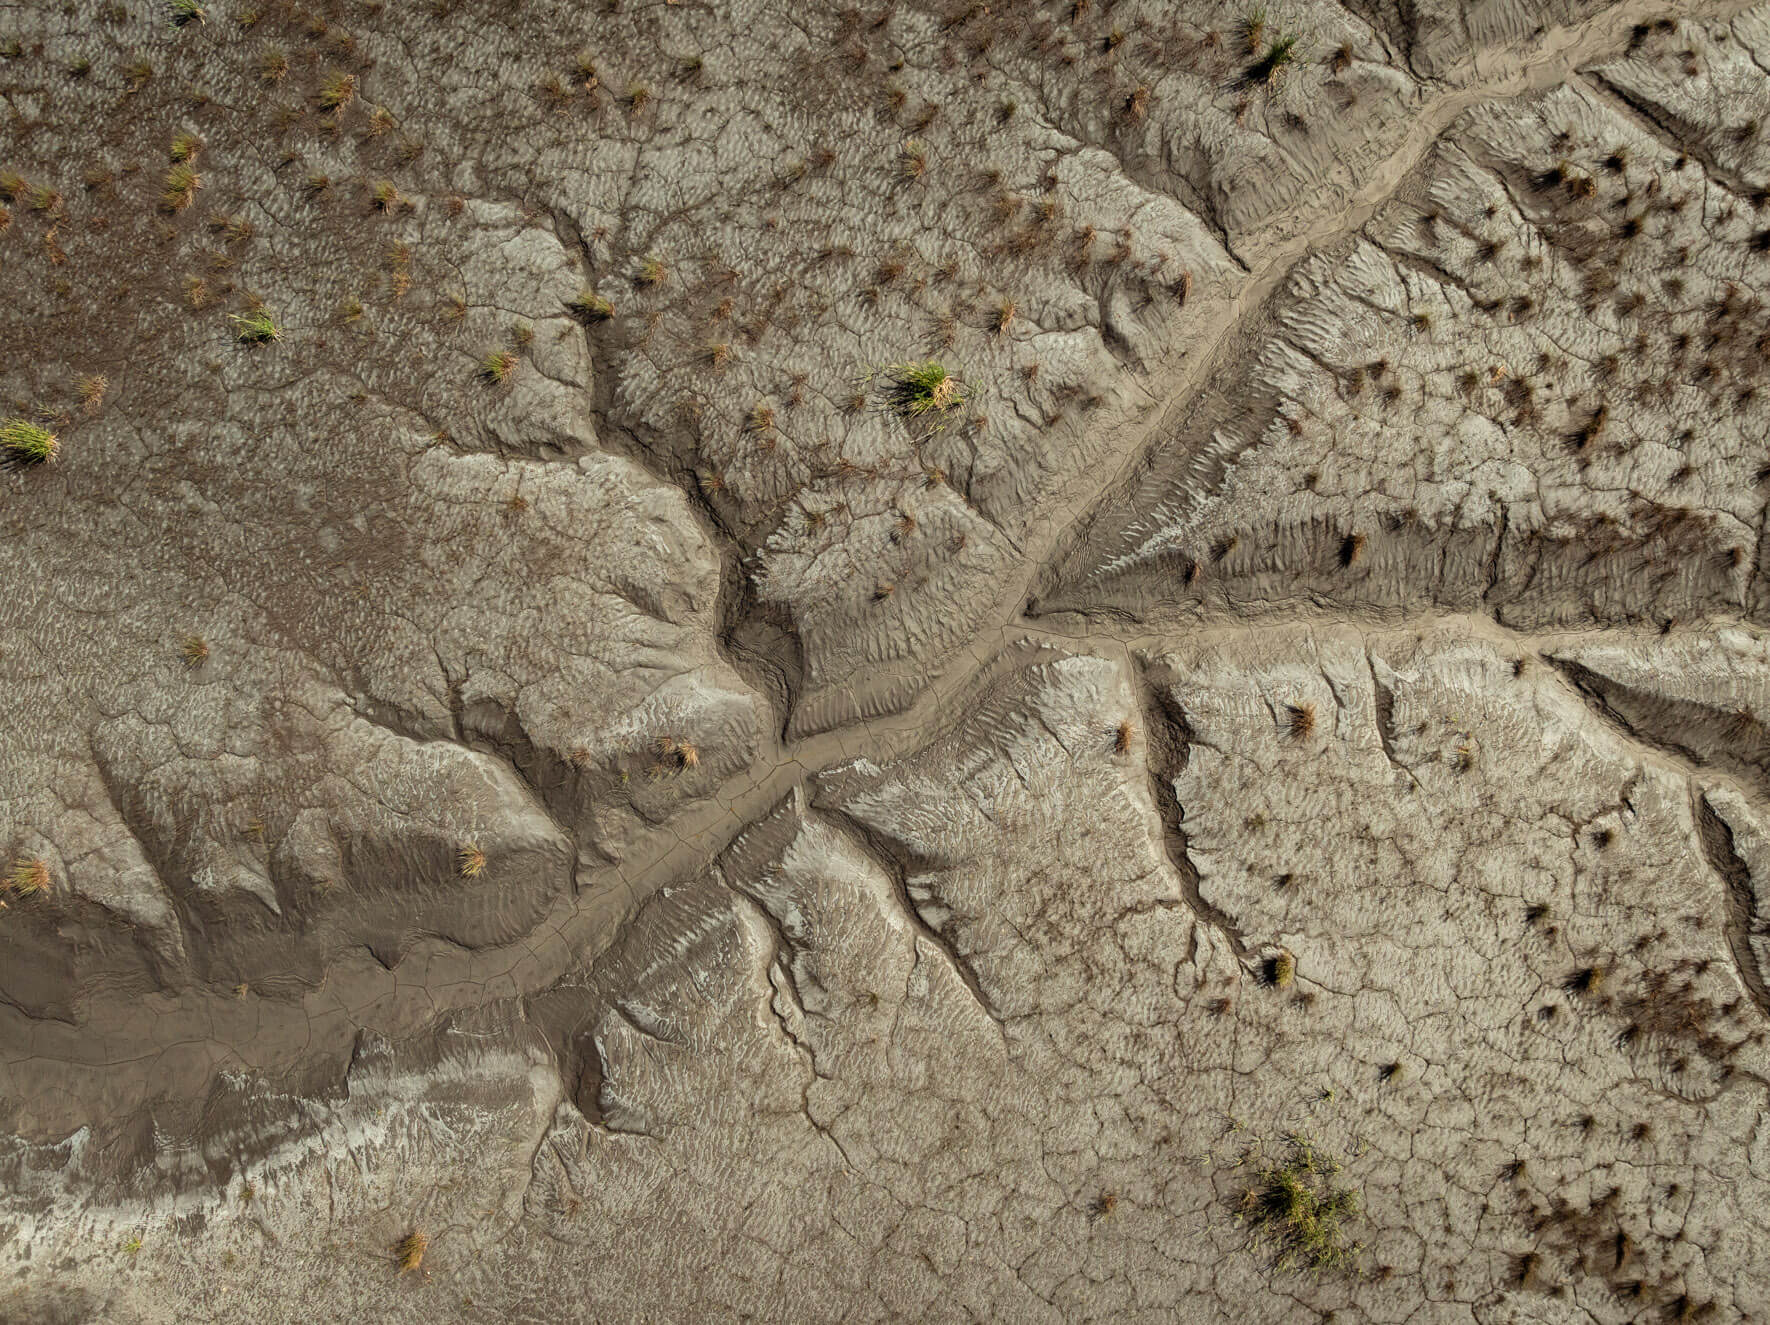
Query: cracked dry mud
x,y
540,755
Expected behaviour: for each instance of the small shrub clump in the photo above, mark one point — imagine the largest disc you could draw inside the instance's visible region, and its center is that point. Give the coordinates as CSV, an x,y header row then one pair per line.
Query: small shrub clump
x,y
1295,1210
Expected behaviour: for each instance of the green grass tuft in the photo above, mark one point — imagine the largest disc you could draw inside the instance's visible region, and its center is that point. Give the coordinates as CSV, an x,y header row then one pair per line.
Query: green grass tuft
x,y
498,367
185,12
25,878
1296,1210
182,183
337,90
588,306
918,389
23,443
1253,29
1270,67
255,328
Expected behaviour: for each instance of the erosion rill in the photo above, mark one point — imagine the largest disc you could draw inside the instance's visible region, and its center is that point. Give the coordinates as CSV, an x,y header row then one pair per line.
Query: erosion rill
x,y
930,661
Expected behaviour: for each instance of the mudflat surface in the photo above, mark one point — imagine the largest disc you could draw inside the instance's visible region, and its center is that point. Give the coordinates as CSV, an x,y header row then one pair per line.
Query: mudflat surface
x,y
540,780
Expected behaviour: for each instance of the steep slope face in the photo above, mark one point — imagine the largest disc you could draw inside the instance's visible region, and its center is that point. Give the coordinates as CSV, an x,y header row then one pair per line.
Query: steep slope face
x,y
522,730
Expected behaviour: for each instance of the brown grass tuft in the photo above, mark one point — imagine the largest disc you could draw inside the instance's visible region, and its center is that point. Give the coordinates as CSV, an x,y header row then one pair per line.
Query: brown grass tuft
x,y
1301,721
470,859
180,189
25,878
337,90
90,389
409,1252
498,367
685,756
1280,970
912,162
1584,981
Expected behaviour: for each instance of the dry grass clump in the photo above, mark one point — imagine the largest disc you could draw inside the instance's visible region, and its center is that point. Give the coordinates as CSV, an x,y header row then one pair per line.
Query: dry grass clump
x,y
25,878
683,755
1280,970
1300,721
1297,1211
194,651
238,229
180,188
337,90
90,390
409,1251
912,162
1584,981
470,860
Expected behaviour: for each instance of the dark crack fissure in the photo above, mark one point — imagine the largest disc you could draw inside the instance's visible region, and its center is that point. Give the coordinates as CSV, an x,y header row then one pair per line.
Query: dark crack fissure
x,y
1168,739
1716,837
